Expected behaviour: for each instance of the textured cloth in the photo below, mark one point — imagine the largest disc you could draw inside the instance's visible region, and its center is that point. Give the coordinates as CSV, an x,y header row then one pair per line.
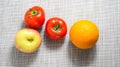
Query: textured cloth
x,y
104,13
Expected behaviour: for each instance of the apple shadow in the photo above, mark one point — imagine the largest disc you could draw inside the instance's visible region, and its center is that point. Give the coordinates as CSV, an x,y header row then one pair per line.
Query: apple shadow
x,y
19,59
80,57
52,44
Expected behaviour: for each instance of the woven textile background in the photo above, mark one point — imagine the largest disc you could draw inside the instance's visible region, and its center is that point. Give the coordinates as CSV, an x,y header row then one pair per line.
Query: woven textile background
x,y
62,53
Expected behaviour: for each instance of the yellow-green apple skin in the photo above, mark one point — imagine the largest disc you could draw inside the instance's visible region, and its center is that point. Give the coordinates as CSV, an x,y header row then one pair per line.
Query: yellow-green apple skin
x,y
28,40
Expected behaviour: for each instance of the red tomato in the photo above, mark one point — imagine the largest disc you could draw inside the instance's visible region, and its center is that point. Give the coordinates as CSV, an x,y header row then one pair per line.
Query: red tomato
x,y
35,17
56,28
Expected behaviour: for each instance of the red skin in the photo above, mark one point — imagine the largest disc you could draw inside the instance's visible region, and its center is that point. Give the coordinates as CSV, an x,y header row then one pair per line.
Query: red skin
x,y
35,20
56,32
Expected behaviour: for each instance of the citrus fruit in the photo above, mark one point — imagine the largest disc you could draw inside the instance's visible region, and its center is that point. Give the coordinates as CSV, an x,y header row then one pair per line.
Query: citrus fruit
x,y
84,34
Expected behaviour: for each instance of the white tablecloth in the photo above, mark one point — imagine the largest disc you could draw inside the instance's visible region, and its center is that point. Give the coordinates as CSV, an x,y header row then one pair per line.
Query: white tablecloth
x,y
62,53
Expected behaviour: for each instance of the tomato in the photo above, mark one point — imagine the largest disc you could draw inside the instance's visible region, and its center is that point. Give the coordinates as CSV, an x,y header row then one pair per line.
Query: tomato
x,y
56,28
35,17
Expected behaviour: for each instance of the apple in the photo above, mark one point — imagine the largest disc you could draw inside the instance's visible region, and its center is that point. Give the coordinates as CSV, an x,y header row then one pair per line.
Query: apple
x,y
28,40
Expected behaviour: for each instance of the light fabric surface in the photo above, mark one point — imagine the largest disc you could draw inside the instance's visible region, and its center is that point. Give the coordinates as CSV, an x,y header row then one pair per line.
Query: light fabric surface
x,y
105,13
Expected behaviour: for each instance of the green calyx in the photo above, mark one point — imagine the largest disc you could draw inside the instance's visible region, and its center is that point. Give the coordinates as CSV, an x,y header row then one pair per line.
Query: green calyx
x,y
56,27
34,12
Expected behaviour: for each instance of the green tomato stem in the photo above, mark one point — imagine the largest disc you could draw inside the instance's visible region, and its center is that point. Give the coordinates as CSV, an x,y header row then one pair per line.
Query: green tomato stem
x,y
56,27
34,12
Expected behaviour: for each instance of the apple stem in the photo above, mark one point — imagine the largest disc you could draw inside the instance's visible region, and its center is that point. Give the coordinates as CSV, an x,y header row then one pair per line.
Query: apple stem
x,y
30,40
34,12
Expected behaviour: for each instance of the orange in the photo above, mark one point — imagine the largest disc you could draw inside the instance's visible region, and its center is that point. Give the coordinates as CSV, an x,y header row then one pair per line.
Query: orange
x,y
84,34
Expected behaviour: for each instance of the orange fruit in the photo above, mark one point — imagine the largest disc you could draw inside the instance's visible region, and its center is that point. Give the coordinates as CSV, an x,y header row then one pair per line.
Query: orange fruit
x,y
84,34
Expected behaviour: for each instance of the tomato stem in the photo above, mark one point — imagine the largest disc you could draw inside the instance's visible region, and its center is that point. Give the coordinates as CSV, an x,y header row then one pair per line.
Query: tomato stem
x,y
56,27
34,12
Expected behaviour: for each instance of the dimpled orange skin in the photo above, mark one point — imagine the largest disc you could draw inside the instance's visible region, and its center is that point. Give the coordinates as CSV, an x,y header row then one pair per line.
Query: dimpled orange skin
x,y
84,34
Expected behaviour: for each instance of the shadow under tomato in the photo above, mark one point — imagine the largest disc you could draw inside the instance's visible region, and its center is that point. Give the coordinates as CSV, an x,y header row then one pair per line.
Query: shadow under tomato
x,y
80,57
39,29
23,25
19,59
53,44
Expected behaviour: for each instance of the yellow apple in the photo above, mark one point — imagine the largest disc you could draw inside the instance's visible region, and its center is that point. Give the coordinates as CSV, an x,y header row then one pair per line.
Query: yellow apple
x,y
27,40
